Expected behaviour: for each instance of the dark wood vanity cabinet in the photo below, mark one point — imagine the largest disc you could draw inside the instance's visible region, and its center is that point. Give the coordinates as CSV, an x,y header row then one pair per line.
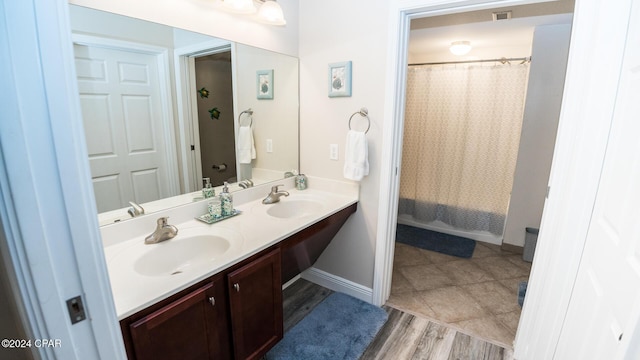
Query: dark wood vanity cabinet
x,y
233,315
195,326
255,299
236,314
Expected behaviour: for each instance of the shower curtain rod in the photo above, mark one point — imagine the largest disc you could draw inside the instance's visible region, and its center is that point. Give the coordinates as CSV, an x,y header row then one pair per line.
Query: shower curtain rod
x,y
502,60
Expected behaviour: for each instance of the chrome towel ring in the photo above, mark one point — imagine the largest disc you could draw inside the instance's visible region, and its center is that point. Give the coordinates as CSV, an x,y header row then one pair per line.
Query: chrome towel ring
x,y
248,111
364,113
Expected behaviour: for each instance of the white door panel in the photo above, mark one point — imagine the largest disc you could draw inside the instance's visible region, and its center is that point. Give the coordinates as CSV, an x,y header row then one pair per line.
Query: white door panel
x,y
121,103
603,311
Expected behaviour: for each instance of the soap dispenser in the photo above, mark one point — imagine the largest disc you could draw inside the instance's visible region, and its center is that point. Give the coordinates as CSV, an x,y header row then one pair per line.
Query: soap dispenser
x,y
207,190
226,200
301,182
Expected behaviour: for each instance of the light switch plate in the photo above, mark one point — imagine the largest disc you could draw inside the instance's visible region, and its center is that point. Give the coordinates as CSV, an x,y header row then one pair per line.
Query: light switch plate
x,y
333,151
269,145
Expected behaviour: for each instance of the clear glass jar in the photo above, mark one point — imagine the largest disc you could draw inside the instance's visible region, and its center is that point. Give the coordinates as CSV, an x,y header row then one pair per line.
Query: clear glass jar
x,y
215,208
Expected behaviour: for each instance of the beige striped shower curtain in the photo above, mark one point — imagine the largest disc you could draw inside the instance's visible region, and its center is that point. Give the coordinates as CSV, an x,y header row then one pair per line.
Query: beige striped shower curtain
x,y
461,135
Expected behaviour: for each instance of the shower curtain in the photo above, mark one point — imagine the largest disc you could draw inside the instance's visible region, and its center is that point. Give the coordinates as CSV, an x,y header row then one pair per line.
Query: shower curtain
x,y
461,136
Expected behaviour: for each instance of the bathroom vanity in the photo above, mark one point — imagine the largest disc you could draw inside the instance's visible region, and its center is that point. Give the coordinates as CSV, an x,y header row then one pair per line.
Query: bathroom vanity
x,y
174,302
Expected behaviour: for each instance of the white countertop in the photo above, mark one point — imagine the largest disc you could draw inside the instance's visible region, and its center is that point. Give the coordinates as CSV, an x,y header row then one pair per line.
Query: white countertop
x,y
249,233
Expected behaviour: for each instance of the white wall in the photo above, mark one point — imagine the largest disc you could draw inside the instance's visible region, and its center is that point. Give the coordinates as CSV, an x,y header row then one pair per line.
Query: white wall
x,y
93,22
204,17
539,128
355,31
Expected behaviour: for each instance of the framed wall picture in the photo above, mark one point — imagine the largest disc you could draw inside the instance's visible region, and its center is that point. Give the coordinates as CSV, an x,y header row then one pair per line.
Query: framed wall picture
x,y
264,84
340,79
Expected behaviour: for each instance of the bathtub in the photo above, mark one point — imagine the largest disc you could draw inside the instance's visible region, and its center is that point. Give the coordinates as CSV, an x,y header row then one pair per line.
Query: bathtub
x,y
439,226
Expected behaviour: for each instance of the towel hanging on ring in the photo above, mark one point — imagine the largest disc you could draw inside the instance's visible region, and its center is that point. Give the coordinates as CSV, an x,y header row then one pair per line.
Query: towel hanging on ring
x,y
246,147
356,162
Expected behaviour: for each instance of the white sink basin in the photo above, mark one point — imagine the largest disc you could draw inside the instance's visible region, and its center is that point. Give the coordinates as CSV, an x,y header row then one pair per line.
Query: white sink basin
x,y
289,209
175,257
192,249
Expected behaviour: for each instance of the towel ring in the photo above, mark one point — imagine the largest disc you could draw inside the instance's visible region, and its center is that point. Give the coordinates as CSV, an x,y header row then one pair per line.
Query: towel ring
x,y
248,111
364,113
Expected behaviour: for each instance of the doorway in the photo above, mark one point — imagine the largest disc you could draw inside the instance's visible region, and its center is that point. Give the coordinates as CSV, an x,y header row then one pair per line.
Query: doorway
x,y
484,289
205,100
215,119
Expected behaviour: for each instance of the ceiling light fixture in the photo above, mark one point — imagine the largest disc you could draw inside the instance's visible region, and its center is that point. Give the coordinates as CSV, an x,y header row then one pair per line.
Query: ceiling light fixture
x,y
271,13
268,11
460,47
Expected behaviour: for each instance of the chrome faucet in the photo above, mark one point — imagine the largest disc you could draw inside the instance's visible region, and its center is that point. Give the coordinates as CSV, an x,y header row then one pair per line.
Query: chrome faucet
x,y
274,195
245,184
135,209
163,232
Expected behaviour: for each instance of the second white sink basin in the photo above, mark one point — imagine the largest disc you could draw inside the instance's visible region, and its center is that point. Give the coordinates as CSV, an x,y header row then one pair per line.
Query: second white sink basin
x,y
294,208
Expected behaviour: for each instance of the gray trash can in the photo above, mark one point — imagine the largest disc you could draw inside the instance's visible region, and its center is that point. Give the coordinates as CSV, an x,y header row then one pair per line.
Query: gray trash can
x,y
530,240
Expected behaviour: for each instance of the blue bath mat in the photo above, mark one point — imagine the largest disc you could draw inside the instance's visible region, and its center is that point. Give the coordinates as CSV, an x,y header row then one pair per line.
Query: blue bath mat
x,y
522,290
435,241
340,327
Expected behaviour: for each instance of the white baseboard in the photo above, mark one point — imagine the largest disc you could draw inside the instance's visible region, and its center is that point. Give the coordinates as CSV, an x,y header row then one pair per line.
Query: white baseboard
x,y
338,284
290,282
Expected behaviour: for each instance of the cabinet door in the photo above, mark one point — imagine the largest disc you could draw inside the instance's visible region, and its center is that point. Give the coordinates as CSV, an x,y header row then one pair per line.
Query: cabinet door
x,y
192,327
255,298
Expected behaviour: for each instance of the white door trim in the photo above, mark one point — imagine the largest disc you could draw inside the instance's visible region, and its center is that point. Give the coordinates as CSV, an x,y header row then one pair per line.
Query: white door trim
x,y
47,208
162,60
183,59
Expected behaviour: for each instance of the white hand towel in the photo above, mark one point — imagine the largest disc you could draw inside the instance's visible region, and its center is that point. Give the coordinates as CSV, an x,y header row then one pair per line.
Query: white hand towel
x,y
356,158
246,148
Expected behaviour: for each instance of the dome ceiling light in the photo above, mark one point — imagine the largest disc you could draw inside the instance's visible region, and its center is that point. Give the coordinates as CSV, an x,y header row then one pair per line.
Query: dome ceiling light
x,y
460,47
268,11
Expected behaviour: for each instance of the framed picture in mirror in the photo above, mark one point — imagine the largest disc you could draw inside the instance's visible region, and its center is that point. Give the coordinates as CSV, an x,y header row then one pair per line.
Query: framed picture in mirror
x,y
264,81
340,79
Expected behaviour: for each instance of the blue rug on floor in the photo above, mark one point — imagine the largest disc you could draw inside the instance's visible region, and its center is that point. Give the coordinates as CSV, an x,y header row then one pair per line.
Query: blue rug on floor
x,y
435,241
522,290
340,327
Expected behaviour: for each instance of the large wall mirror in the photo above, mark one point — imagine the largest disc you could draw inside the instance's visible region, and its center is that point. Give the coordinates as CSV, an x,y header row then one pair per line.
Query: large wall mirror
x,y
164,108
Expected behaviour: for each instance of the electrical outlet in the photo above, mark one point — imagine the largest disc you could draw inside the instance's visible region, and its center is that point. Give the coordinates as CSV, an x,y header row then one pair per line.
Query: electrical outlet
x,y
269,145
333,151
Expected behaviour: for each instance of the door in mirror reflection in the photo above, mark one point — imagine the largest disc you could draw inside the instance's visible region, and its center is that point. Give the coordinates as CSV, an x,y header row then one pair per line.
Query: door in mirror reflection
x,y
120,97
214,98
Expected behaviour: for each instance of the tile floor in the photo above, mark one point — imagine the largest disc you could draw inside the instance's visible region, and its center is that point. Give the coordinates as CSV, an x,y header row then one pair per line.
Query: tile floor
x,y
478,296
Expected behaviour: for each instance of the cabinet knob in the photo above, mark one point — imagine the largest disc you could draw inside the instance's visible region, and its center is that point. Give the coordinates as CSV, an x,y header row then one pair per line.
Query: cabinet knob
x,y
237,287
212,300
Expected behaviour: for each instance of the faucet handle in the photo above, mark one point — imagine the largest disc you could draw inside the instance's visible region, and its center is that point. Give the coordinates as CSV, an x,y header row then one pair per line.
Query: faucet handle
x,y
135,209
274,189
162,221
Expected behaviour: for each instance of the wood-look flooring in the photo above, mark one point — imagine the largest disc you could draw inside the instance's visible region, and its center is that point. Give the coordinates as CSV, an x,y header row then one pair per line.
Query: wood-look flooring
x,y
404,336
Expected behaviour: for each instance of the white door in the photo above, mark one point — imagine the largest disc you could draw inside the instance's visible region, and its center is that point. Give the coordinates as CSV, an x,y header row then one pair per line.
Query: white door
x,y
121,108
604,309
